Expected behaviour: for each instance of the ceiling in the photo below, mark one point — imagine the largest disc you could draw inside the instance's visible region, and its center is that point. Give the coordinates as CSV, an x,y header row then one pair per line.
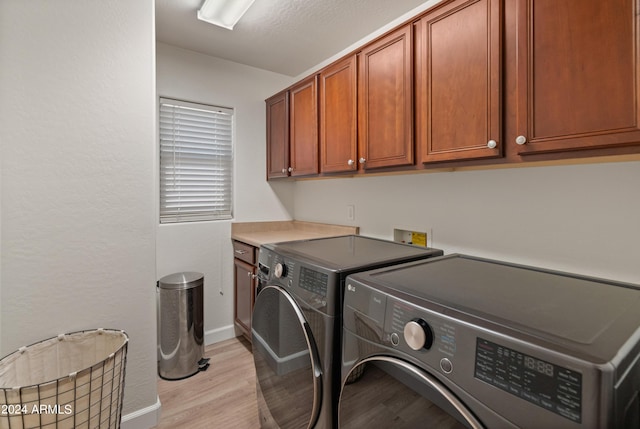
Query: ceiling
x,y
284,36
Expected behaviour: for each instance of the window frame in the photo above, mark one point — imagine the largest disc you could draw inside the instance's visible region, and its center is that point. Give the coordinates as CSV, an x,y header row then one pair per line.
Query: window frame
x,y
214,161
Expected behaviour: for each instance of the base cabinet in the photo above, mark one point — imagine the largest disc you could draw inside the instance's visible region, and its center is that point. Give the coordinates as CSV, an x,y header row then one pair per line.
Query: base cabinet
x,y
244,285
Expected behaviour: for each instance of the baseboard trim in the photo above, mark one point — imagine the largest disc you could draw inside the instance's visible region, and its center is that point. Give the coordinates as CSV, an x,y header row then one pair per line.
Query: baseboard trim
x,y
220,334
145,418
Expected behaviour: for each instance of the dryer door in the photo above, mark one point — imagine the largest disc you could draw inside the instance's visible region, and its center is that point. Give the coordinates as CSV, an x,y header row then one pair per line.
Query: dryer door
x,y
286,360
385,392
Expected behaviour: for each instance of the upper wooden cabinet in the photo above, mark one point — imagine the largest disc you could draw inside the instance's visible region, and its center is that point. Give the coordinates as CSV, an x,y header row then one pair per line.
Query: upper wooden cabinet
x,y
577,75
458,81
491,82
385,101
303,128
278,135
292,131
338,117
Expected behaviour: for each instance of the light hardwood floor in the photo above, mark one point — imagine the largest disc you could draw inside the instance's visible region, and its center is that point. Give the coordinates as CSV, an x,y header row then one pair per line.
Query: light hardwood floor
x,y
223,396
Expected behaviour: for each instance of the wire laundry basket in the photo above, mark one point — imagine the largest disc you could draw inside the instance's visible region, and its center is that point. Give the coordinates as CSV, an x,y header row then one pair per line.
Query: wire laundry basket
x,y
71,381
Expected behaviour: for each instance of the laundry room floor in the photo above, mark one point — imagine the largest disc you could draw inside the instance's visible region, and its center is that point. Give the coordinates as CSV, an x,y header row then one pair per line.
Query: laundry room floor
x,y
223,396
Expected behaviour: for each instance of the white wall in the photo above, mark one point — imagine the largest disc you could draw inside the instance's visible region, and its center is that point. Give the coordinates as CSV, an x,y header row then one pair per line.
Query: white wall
x,y
77,127
360,43
578,218
205,247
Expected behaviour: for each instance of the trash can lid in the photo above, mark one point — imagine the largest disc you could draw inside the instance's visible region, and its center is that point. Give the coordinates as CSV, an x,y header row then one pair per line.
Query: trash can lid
x,y
185,280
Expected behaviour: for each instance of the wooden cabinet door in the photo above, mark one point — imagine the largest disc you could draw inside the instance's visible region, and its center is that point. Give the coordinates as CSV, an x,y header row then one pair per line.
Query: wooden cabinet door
x,y
278,135
303,129
577,75
458,53
385,101
244,295
338,117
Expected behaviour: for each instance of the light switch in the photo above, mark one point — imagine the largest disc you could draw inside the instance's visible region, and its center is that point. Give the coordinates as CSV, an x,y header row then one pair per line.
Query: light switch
x,y
351,212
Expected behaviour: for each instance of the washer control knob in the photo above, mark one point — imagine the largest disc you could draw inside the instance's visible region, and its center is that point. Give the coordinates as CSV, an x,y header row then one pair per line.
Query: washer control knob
x,y
280,270
418,334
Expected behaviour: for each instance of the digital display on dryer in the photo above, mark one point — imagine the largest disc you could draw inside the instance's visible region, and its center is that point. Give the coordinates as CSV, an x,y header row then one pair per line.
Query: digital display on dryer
x,y
542,383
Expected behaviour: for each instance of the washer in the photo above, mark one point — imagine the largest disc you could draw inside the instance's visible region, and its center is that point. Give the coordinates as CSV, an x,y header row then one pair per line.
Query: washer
x,y
297,323
459,341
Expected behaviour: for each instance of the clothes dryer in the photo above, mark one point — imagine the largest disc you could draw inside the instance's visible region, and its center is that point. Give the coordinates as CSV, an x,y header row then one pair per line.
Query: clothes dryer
x,y
464,342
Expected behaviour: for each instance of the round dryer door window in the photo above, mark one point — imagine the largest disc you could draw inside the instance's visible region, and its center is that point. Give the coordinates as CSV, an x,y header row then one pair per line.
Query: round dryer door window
x,y
286,361
385,392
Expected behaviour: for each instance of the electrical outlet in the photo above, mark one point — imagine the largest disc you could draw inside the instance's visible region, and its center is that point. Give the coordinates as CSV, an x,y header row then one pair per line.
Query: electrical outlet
x,y
417,236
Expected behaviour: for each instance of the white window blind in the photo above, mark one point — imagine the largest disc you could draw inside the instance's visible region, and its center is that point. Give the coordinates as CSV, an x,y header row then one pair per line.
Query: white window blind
x,y
196,162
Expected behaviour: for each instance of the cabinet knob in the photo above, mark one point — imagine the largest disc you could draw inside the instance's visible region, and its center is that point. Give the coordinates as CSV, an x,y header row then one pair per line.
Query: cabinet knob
x,y
351,162
491,144
249,274
521,140
362,160
284,171
290,169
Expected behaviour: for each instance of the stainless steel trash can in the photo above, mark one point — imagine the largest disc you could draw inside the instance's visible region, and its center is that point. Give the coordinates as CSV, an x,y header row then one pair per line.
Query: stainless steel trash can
x,y
181,325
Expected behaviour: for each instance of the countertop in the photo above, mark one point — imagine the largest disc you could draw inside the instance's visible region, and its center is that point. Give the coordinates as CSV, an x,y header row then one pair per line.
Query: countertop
x,y
259,233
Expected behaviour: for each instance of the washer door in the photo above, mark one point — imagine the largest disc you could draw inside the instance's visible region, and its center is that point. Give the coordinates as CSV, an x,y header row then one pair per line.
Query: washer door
x,y
286,360
385,392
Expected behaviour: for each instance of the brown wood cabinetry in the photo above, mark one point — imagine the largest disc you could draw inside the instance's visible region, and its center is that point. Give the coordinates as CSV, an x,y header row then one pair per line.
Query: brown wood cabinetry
x,y
385,101
338,117
292,131
493,82
458,79
278,135
303,128
577,75
244,262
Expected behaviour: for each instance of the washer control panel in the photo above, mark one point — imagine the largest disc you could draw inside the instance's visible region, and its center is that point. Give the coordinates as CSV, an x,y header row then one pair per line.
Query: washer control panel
x,y
312,285
542,383
313,281
282,270
420,332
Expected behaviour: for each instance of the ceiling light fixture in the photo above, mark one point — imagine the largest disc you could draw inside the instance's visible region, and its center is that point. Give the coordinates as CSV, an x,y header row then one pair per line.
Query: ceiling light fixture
x,y
223,13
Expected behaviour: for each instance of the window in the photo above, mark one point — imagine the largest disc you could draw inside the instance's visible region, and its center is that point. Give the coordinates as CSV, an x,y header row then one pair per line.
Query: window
x,y
196,162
